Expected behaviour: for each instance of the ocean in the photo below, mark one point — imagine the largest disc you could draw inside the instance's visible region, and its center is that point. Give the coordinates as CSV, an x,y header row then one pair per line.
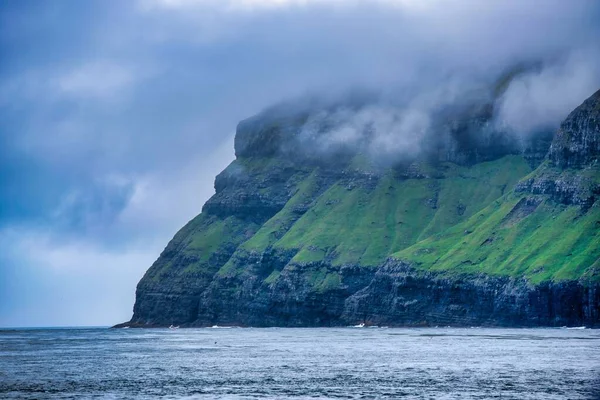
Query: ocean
x,y
353,362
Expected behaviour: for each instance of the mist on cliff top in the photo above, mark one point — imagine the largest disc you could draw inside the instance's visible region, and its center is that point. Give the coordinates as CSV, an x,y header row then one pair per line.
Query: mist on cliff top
x,y
525,99
116,116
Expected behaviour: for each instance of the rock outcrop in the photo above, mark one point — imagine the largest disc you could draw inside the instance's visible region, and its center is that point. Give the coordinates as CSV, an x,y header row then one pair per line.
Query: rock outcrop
x,y
570,175
577,142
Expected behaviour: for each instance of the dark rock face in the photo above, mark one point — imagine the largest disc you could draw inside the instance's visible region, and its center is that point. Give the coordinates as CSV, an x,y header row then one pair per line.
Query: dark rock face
x,y
399,295
577,142
571,175
565,190
170,290
237,194
393,295
290,301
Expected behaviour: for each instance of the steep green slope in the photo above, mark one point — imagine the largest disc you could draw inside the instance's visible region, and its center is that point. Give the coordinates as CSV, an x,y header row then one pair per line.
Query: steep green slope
x,y
519,236
362,225
547,228
350,221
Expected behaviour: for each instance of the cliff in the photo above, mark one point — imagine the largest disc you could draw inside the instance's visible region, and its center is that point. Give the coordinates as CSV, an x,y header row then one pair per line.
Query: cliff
x,y
473,228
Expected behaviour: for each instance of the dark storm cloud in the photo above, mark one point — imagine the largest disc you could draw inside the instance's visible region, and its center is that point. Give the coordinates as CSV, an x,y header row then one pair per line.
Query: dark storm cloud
x,y
115,116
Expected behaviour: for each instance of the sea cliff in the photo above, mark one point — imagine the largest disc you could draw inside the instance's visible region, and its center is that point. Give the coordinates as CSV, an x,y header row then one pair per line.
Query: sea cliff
x,y
473,229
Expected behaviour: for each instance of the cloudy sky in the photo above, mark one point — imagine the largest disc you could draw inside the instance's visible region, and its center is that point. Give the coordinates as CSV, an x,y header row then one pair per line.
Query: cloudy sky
x,y
115,116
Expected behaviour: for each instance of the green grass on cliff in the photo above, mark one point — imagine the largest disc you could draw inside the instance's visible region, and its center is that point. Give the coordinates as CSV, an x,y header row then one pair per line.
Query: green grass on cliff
x,y
350,224
203,243
472,189
276,227
459,220
195,248
552,242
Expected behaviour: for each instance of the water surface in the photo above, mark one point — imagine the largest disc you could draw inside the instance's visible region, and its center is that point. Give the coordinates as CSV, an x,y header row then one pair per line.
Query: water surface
x,y
437,363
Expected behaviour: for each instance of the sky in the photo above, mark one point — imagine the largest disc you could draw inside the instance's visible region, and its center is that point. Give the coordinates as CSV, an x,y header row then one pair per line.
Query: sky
x,y
116,116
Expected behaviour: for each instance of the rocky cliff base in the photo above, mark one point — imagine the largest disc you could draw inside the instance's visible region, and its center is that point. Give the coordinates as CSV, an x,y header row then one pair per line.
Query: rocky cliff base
x,y
395,294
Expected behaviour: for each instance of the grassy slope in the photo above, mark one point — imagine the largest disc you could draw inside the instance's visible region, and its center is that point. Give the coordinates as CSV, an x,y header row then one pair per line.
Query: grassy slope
x,y
554,242
197,248
365,227
274,228
454,223
192,249
551,242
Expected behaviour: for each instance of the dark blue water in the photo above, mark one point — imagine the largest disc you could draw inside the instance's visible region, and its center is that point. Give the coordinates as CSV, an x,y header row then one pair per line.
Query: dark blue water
x,y
431,363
